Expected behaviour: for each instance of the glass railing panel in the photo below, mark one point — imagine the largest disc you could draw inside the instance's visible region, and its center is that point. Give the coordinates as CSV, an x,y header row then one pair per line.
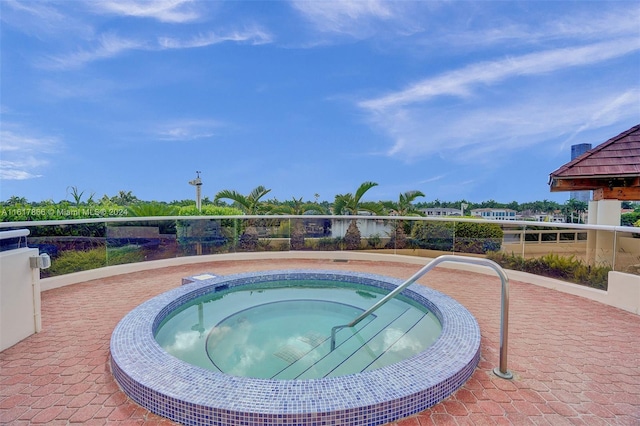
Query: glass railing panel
x,y
430,238
256,234
627,253
203,236
72,247
565,242
575,252
247,236
336,240
384,235
303,233
569,254
375,233
394,237
513,239
309,233
273,234
477,238
139,241
231,229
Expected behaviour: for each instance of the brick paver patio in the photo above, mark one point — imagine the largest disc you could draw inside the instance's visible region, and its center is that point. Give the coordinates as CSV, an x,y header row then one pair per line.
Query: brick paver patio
x,y
576,362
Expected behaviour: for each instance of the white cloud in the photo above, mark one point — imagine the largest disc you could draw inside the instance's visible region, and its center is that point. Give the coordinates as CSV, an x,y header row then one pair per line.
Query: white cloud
x,y
23,155
16,170
332,16
171,11
357,18
432,179
475,133
615,23
13,141
621,21
42,19
40,11
461,82
187,129
255,36
109,45
485,110
609,110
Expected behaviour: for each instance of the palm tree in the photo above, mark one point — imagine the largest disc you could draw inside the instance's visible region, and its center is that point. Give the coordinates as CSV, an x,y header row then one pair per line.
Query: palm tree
x,y
14,200
123,198
76,194
403,207
351,204
298,207
250,205
576,207
151,209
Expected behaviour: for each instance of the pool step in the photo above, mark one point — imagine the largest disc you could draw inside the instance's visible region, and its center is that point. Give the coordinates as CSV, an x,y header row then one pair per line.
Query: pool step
x,y
405,345
385,348
305,344
369,345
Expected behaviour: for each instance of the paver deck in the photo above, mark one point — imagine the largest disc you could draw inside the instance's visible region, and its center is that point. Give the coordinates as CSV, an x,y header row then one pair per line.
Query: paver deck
x,y
575,361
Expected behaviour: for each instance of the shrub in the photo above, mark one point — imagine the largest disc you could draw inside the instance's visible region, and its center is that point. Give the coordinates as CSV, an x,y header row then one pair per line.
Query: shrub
x,y
374,241
126,254
630,219
97,230
473,237
329,244
433,235
555,266
75,261
285,246
463,237
209,210
151,209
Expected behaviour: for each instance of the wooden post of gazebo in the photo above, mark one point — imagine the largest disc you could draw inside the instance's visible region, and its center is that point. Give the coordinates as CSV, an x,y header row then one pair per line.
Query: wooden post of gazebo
x,y
612,171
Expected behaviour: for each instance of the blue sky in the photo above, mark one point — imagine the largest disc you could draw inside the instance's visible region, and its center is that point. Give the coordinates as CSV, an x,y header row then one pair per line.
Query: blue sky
x,y
473,100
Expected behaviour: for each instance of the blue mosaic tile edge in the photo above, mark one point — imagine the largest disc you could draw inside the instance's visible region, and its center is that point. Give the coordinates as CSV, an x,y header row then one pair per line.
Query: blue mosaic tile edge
x,y
191,395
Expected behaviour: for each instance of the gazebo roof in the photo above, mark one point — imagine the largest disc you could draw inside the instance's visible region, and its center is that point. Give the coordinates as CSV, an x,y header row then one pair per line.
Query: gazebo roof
x,y
612,169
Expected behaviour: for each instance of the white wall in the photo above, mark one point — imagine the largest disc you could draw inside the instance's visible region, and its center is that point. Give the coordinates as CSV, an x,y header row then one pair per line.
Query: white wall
x,y
367,228
19,296
623,292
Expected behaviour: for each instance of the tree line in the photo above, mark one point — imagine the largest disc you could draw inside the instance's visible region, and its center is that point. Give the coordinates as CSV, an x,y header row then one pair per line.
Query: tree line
x,y
407,204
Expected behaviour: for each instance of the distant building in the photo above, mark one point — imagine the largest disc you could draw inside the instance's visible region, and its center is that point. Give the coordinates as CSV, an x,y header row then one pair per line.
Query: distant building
x,y
556,216
441,211
576,151
546,217
494,214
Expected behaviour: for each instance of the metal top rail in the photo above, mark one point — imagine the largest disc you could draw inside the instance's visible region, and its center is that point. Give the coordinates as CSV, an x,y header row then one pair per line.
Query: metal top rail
x,y
500,371
16,233
611,228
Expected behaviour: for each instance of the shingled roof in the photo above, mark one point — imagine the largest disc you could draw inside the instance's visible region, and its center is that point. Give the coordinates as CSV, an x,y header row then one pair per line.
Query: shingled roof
x,y
611,167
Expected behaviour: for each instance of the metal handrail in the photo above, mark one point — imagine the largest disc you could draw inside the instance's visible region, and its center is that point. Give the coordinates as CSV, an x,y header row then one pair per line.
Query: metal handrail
x,y
500,371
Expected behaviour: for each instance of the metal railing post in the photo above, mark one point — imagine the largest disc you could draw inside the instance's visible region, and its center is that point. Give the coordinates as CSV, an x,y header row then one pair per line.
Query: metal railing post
x,y
500,371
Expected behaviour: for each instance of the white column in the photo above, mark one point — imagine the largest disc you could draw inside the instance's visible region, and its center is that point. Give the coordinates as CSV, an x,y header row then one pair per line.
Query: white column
x,y
607,213
591,235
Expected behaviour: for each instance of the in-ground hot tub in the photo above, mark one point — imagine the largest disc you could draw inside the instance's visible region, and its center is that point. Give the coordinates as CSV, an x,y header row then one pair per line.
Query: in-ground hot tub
x,y
193,394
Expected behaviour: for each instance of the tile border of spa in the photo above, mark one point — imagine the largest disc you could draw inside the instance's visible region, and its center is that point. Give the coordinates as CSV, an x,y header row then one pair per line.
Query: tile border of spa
x,y
192,395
